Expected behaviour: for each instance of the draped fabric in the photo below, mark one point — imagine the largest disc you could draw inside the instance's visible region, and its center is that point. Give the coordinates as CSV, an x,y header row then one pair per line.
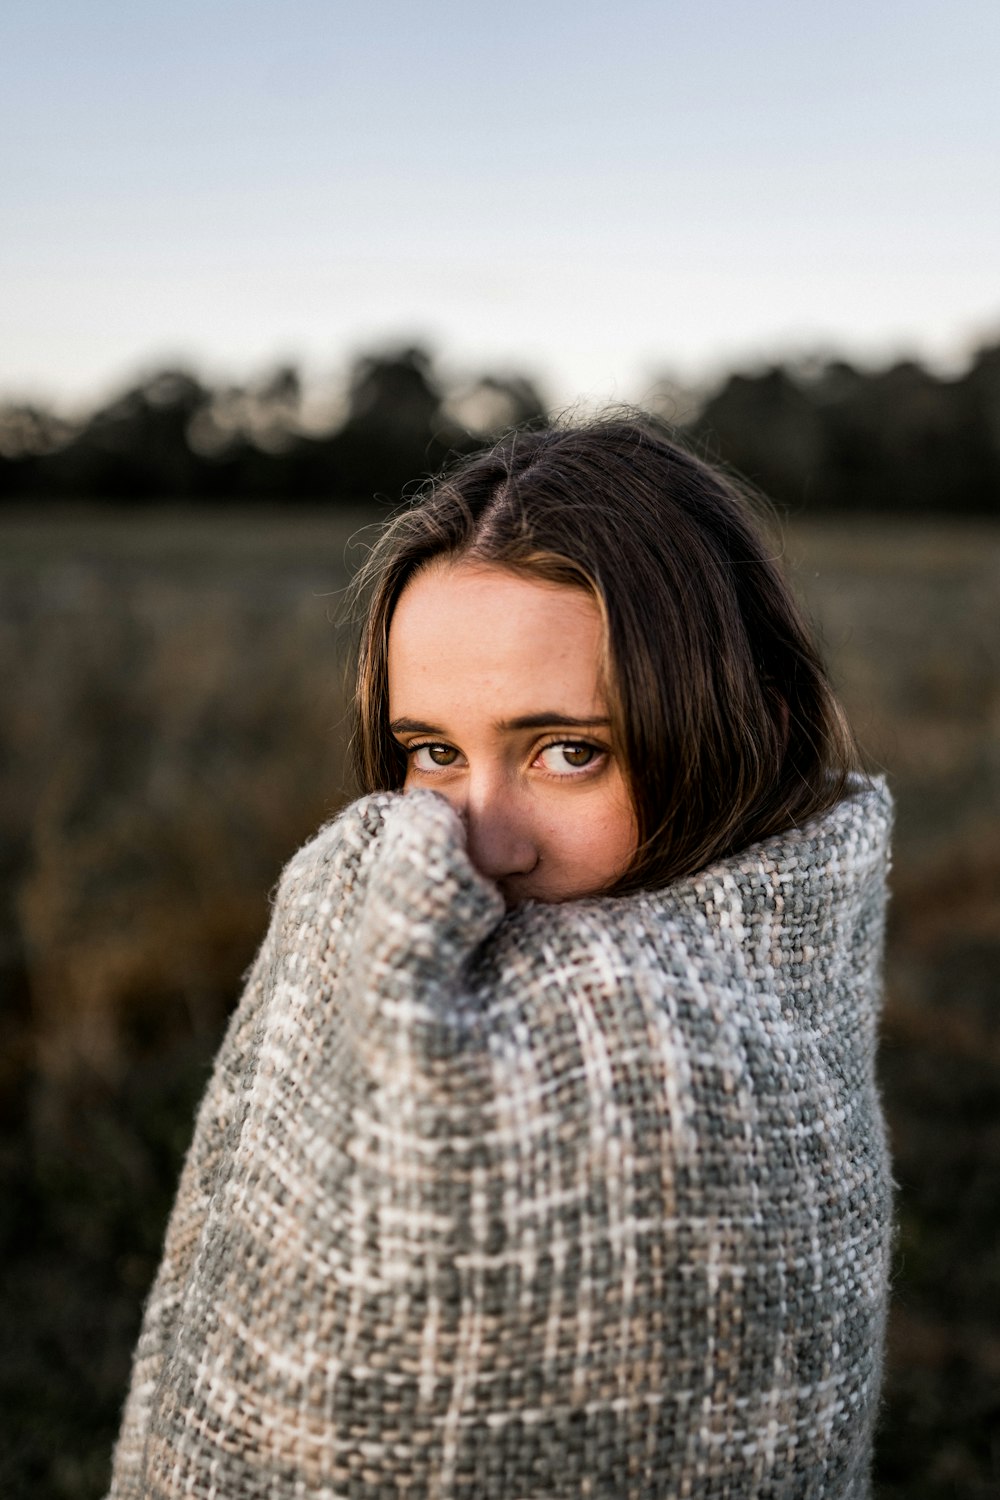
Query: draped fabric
x,y
588,1199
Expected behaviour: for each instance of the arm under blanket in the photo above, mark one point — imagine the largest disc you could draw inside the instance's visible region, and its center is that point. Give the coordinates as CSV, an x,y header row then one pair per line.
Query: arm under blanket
x,y
588,1199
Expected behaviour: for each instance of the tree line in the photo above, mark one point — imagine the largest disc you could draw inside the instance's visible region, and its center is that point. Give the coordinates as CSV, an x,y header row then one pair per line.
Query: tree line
x,y
827,438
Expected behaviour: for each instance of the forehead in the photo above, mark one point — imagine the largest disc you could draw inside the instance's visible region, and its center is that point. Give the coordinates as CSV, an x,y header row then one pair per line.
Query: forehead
x,y
465,630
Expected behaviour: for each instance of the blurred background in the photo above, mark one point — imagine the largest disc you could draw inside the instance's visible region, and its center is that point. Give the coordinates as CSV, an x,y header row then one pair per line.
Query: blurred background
x,y
262,269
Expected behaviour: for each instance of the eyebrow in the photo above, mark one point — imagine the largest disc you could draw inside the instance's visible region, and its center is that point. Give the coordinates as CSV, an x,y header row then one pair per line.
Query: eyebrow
x,y
523,721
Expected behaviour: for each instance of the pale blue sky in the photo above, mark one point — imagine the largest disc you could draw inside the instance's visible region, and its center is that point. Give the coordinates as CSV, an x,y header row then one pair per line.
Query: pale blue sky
x,y
592,193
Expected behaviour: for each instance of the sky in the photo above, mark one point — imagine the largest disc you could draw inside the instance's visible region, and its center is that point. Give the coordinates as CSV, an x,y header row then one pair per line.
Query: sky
x,y
596,195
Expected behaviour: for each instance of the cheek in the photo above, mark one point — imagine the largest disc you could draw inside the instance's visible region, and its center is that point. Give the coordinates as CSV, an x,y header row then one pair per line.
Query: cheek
x,y
601,835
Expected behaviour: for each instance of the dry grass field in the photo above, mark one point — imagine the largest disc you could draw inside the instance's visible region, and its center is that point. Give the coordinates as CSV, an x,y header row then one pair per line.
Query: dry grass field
x,y
172,728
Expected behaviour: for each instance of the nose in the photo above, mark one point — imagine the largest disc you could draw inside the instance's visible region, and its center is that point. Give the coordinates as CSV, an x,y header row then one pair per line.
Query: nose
x,y
501,839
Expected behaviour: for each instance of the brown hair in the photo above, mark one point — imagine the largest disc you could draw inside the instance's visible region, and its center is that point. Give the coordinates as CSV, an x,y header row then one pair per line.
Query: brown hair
x,y
725,722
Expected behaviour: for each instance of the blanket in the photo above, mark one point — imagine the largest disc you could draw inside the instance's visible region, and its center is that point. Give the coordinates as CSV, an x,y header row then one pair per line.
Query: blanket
x,y
589,1199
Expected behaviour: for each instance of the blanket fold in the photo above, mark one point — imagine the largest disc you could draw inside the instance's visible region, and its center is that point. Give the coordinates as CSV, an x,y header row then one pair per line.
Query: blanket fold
x,y
588,1199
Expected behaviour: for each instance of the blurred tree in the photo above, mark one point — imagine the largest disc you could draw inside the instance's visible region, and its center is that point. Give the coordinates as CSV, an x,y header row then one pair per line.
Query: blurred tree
x,y
395,431
27,433
980,390
135,448
821,435
246,434
28,430
263,414
835,438
394,392
493,404
767,427
898,440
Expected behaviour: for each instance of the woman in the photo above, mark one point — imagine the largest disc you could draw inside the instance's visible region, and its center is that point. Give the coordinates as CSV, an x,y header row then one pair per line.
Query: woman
x,y
543,1156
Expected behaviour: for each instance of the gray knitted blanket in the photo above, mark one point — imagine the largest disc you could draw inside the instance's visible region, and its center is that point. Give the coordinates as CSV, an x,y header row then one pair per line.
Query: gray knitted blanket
x,y
578,1200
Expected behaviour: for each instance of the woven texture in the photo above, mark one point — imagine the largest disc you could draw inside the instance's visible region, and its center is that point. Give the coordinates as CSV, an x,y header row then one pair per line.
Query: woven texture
x,y
578,1200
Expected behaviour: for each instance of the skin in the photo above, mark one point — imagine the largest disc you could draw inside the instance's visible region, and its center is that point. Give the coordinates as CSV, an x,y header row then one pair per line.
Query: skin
x,y
495,694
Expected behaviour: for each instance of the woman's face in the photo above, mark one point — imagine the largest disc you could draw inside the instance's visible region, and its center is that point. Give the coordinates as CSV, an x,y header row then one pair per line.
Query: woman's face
x,y
495,695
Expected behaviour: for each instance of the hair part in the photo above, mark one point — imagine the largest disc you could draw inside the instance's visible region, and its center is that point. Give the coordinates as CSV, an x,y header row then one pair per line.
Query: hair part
x,y
724,719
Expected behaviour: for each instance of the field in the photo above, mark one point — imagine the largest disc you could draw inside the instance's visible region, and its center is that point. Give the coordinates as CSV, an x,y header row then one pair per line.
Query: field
x,y
172,728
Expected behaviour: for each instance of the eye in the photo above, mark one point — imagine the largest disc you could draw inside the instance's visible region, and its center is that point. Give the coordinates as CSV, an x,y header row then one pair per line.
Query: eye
x,y
427,757
565,756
